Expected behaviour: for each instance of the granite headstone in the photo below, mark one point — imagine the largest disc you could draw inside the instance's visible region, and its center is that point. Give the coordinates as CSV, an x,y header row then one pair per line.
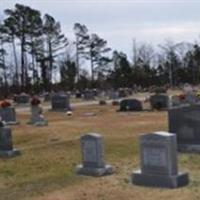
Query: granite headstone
x,y
130,105
37,117
93,163
159,101
60,102
184,121
6,145
22,98
158,157
8,115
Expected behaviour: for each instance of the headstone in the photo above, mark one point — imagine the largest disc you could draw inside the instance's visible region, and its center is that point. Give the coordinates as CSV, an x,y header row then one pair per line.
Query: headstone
x,y
47,97
190,96
130,91
6,145
8,115
184,121
130,105
78,94
122,93
37,117
102,95
88,95
93,156
159,101
95,92
113,95
175,100
159,162
22,98
60,102
187,89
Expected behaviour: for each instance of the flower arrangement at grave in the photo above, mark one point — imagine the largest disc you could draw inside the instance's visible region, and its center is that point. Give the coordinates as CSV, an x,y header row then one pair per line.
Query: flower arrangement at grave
x,y
35,101
5,104
182,97
198,94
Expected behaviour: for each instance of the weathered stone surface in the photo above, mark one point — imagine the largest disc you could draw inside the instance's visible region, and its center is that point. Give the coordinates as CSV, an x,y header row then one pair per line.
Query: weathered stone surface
x,y
89,95
159,162
22,98
37,117
6,145
130,105
8,115
184,121
93,163
60,102
159,101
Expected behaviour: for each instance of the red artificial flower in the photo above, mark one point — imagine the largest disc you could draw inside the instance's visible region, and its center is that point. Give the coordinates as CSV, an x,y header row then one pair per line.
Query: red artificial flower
x,y
182,97
35,101
5,104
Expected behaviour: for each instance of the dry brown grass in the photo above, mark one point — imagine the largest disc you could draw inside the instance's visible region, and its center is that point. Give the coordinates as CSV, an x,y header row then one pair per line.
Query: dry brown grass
x,y
45,171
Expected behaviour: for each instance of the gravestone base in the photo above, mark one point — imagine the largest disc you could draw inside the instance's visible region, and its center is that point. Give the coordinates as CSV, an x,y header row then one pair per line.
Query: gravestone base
x,y
193,148
179,180
39,123
59,110
91,171
12,123
9,153
42,123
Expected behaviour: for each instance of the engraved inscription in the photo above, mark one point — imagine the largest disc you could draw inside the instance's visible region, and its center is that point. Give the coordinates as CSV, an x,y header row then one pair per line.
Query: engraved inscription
x,y
155,157
89,151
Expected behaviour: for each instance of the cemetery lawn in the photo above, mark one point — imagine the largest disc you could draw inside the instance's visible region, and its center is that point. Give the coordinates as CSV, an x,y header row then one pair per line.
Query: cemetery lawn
x,y
45,170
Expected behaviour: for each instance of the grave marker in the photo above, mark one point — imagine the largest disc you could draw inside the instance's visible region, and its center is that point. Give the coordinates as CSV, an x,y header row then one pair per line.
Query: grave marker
x,y
158,157
93,156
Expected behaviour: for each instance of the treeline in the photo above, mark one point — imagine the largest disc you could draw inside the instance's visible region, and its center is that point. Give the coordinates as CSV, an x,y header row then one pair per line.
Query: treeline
x,y
36,56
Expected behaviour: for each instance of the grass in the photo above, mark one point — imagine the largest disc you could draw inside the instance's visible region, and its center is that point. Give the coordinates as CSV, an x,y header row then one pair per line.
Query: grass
x,y
45,170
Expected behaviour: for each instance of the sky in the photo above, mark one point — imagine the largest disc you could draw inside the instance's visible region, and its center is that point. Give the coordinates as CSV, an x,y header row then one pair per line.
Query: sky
x,y
121,21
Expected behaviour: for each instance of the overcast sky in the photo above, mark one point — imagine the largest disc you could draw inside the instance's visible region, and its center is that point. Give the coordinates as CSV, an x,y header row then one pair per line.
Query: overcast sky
x,y
119,21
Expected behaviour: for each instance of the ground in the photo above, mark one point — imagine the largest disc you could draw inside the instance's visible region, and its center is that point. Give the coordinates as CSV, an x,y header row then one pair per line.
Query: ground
x,y
45,170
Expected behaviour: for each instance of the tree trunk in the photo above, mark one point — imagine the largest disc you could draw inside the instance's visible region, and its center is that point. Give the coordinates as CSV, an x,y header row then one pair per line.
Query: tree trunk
x,y
4,73
77,60
50,66
16,62
22,62
92,67
44,75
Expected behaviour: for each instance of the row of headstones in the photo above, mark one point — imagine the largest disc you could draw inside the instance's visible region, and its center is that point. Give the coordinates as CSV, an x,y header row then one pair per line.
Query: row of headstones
x,y
183,120
61,103
8,116
157,153
157,101
88,94
58,103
